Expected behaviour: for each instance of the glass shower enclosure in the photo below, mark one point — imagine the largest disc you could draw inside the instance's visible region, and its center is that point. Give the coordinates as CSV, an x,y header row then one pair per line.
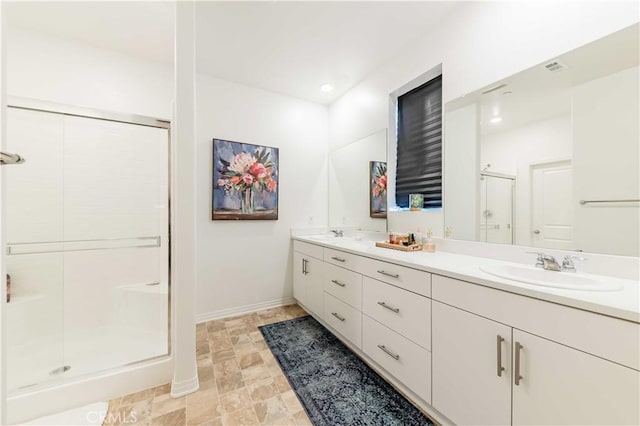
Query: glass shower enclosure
x,y
496,208
87,242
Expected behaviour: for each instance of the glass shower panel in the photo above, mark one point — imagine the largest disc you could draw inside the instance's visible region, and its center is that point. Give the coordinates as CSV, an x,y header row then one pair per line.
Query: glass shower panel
x,y
87,246
34,212
496,201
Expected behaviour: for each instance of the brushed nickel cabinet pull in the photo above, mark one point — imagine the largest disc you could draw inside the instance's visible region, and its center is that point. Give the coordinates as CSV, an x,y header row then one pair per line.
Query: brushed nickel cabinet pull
x,y
516,373
384,349
389,274
339,259
304,266
500,368
338,283
384,305
341,318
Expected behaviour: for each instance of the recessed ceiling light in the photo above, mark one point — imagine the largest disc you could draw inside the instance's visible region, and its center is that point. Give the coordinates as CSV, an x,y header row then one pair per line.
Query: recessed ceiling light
x,y
495,120
327,87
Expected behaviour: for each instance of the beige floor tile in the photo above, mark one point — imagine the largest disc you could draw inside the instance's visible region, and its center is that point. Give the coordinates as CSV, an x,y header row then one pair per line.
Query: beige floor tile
x,y
291,401
250,360
226,367
241,382
241,418
138,413
216,325
203,406
245,349
132,398
255,374
205,372
256,336
229,383
241,339
236,400
281,383
161,390
222,355
174,418
166,404
263,390
270,410
302,419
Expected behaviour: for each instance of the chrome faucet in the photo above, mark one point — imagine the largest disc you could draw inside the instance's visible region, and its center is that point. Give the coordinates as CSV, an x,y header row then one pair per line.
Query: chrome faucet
x,y
337,232
546,261
567,263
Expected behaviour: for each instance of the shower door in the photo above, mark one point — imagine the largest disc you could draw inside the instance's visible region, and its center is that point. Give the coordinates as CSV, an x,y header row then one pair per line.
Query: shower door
x,y
496,209
86,223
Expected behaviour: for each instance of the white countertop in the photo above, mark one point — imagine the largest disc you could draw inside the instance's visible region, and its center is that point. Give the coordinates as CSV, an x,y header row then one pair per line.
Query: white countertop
x,y
623,304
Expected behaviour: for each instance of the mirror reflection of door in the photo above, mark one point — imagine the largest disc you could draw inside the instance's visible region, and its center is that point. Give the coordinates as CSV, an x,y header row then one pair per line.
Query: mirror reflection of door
x,y
496,209
551,205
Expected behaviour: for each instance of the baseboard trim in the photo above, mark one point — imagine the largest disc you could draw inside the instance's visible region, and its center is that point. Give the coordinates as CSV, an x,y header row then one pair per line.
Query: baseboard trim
x,y
184,387
241,310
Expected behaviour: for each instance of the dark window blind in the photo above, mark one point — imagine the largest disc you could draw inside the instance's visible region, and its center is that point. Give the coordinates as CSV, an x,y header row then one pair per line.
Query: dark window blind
x,y
419,135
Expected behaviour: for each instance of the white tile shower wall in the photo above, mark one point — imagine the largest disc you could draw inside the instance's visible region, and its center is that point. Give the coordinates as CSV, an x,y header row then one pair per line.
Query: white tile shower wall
x,y
478,43
243,263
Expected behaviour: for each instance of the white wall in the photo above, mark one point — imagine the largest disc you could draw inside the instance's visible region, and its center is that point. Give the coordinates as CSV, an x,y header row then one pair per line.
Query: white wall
x,y
478,43
244,264
66,72
606,163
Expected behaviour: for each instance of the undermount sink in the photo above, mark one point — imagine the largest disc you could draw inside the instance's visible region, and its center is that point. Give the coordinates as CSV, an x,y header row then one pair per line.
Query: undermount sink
x,y
541,277
322,237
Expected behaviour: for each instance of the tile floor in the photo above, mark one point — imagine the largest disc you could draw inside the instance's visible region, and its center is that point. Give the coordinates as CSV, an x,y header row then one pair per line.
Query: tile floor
x,y
241,383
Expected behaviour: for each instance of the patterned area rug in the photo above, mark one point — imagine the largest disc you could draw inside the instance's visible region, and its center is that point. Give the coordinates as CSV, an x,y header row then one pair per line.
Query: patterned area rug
x,y
335,386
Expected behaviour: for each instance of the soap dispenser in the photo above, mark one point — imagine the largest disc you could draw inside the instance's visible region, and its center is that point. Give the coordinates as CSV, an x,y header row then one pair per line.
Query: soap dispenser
x,y
429,245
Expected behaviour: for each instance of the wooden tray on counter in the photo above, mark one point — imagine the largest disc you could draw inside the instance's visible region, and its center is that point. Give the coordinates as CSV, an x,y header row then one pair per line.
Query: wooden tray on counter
x,y
384,244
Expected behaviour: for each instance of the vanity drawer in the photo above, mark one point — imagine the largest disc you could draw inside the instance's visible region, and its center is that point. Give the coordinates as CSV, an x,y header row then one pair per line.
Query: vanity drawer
x,y
344,284
401,276
343,318
402,311
342,259
405,360
308,249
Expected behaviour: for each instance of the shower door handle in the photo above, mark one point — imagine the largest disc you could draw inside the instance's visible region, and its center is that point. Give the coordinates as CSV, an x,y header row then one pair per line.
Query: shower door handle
x,y
7,158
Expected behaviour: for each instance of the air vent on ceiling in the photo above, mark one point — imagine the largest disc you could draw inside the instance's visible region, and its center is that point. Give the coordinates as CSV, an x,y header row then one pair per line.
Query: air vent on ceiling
x,y
555,66
493,89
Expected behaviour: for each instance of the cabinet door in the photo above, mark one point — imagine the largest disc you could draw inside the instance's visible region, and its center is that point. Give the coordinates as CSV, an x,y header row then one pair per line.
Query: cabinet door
x,y
561,385
300,277
315,271
466,355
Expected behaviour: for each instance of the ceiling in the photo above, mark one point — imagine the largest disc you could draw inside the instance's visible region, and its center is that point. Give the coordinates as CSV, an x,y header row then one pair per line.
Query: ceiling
x,y
286,47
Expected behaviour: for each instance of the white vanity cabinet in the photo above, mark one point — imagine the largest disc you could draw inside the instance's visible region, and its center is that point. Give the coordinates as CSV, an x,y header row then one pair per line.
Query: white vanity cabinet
x,y
471,367
543,381
307,275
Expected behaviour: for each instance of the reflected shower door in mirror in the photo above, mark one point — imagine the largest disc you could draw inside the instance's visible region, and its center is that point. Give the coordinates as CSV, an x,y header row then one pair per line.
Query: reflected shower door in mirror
x,y
496,206
565,135
357,184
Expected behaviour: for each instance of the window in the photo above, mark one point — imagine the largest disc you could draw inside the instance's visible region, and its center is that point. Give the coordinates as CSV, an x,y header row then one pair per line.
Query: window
x,y
419,144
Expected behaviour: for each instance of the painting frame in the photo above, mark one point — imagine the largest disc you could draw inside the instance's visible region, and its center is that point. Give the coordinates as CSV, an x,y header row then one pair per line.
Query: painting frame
x,y
245,181
377,189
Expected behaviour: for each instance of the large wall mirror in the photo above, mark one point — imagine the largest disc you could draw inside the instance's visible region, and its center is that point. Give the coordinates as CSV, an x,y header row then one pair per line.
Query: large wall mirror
x,y
357,188
549,157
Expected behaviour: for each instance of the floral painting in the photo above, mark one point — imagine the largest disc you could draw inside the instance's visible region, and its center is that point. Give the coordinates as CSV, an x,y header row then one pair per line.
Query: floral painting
x,y
378,189
245,181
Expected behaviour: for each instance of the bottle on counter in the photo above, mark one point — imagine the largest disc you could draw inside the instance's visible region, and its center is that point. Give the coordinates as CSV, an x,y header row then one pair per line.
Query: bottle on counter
x,y
428,245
